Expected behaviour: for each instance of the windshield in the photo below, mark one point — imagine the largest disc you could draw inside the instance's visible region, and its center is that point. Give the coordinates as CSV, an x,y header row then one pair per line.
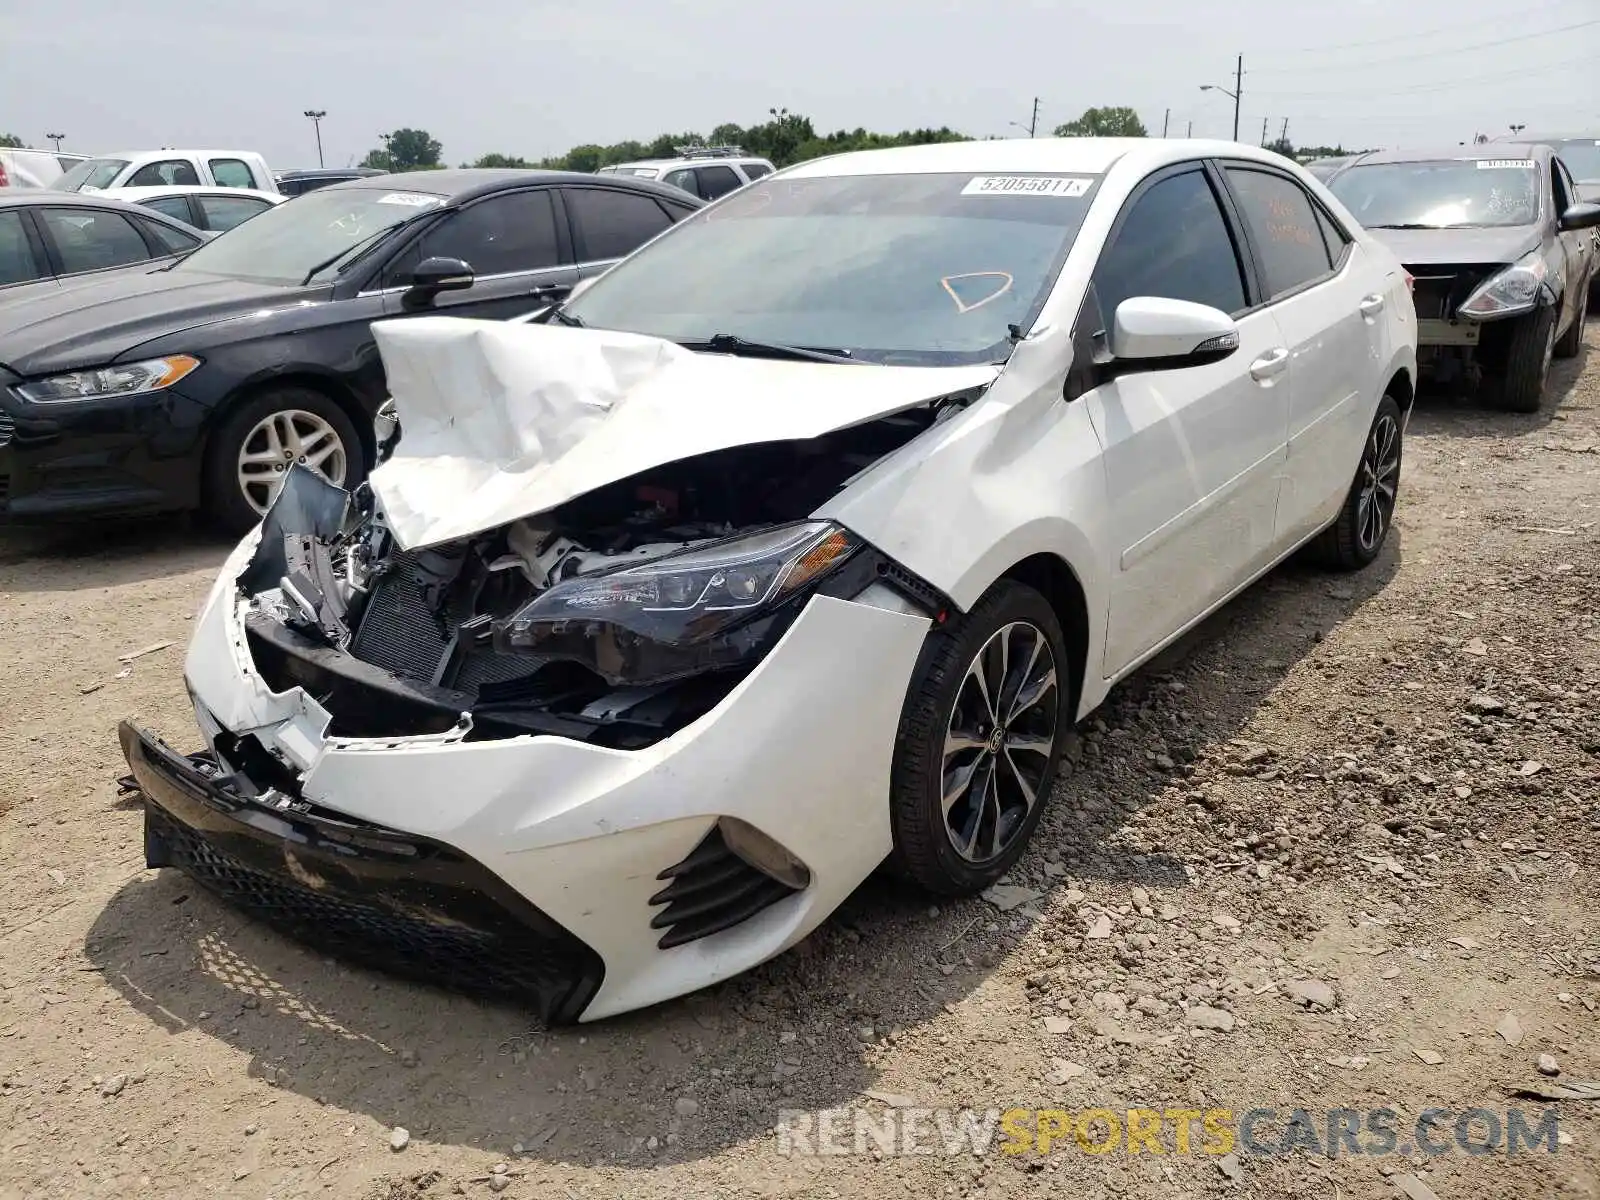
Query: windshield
x,y
322,230
1441,195
90,173
914,269
1582,156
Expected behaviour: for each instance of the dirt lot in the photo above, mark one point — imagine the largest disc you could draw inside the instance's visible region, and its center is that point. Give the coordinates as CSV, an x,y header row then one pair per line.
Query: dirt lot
x,y
1387,784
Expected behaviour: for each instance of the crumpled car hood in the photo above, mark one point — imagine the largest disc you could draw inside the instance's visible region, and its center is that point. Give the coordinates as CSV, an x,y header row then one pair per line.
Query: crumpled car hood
x,y
501,421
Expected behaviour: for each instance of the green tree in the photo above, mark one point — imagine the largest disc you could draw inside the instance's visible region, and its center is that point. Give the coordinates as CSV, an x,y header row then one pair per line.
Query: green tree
x,y
406,150
502,161
727,135
10,141
1281,146
1104,122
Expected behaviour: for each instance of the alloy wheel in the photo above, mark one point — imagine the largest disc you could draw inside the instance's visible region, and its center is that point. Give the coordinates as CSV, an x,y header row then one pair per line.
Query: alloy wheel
x,y
278,442
999,741
1380,481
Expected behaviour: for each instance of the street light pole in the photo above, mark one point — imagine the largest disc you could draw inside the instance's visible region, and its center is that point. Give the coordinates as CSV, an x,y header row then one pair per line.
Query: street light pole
x,y
316,115
57,138
1238,90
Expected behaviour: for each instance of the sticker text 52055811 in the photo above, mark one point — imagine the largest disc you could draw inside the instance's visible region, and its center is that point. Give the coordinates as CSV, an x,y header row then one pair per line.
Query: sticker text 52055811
x,y
1026,185
1505,164
409,199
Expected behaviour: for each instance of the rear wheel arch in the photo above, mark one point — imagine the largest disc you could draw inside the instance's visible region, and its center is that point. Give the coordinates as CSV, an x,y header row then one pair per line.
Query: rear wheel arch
x,y
1402,390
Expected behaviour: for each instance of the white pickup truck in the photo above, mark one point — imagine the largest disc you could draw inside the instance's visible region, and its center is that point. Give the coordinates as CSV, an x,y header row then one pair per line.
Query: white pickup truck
x,y
169,168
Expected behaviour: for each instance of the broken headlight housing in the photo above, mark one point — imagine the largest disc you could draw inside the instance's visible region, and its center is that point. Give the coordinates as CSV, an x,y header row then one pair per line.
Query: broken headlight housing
x,y
1509,292
712,607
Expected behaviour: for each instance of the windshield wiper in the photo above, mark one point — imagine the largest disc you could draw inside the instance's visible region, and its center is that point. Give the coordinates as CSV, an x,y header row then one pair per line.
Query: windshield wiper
x,y
359,250
732,343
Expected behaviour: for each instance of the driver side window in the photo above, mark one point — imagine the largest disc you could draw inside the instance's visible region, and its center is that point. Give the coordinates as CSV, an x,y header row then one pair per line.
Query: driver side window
x,y
1175,244
498,236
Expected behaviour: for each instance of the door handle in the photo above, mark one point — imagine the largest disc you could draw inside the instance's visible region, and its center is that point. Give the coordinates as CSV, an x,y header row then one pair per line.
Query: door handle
x,y
1371,306
1269,364
549,291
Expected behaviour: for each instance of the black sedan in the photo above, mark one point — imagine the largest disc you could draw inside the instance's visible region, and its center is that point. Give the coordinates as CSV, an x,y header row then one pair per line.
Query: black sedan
x,y
199,384
1501,254
53,239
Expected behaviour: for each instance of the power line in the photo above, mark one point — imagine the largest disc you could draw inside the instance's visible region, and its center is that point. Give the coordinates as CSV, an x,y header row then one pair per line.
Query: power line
x,y
1430,54
1456,27
1445,85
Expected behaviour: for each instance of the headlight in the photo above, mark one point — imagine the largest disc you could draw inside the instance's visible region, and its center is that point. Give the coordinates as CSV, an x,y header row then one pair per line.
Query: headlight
x,y
698,610
124,379
1514,290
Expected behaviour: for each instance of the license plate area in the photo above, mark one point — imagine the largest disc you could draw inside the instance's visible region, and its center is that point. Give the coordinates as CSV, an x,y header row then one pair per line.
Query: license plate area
x,y
1447,333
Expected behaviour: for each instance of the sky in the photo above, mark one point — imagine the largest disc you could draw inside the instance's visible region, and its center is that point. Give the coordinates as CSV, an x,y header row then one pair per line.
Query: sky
x,y
532,78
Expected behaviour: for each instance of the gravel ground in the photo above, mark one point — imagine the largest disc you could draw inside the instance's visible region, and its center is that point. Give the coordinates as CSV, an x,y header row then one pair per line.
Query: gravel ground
x,y
1311,859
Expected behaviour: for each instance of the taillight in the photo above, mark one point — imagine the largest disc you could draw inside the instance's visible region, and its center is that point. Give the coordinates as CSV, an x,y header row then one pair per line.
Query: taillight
x,y
5,180
1411,282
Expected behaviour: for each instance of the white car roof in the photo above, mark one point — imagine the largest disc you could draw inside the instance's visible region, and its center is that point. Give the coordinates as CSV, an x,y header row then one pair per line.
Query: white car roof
x,y
1090,156
706,160
179,152
135,194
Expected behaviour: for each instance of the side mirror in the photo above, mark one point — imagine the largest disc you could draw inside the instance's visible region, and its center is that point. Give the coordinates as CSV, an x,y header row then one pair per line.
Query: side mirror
x,y
1583,215
1152,333
435,275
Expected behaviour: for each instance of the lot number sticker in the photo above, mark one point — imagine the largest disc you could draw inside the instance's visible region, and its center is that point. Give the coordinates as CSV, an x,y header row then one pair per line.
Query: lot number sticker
x,y
409,199
1025,185
1505,164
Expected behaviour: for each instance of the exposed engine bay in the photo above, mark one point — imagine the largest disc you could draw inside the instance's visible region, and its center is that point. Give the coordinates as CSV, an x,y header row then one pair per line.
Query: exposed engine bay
x,y
616,618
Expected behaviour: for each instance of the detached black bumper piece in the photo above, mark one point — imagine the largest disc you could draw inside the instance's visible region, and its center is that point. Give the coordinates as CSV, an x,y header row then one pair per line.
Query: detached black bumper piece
x,y
372,895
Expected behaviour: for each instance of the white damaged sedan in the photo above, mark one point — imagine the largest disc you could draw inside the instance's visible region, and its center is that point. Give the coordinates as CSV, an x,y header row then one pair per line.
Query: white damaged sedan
x,y
795,545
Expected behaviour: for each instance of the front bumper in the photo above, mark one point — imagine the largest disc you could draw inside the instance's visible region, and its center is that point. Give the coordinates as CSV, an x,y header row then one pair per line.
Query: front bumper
x,y
800,749
367,893
124,455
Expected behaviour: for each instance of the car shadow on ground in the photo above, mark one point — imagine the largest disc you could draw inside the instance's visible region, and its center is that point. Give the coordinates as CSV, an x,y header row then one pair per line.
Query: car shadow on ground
x,y
793,1033
55,558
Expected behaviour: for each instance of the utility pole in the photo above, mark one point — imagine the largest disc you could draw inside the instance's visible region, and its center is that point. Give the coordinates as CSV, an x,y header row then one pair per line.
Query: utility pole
x,y
1238,90
316,115
1033,123
1189,133
57,138
1166,118
1284,135
1263,131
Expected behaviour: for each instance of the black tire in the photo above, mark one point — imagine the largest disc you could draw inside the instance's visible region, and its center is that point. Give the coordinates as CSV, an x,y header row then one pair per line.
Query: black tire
x,y
941,698
1351,542
1527,365
1569,343
226,504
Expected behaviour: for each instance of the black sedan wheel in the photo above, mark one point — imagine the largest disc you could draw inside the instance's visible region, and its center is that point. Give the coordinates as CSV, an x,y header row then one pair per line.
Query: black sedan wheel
x,y
1356,538
980,741
252,450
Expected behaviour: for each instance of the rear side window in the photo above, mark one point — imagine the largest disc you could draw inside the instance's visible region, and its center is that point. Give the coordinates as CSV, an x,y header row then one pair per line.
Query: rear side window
x,y
614,223
757,170
717,181
231,172
1174,244
1335,237
17,264
90,240
224,212
1283,224
169,239
172,172
176,207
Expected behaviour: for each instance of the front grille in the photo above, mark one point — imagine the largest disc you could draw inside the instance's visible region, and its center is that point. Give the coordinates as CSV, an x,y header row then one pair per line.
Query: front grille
x,y
1438,291
711,890
8,428
500,956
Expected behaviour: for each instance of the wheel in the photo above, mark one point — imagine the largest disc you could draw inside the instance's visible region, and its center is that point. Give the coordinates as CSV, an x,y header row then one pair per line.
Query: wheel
x,y
252,450
1356,536
1527,366
1568,345
980,740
